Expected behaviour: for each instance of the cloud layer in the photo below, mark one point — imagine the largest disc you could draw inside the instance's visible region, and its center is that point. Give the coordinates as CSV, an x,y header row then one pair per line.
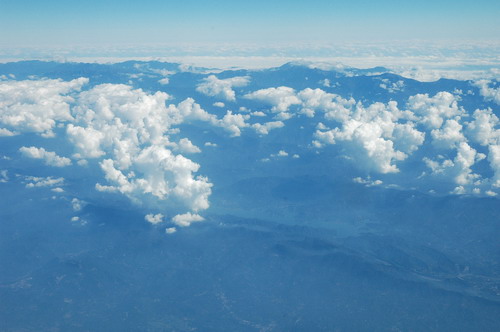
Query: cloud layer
x,y
137,140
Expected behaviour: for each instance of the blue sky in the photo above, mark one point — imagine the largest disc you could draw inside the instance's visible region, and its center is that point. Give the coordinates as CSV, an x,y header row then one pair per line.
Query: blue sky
x,y
56,22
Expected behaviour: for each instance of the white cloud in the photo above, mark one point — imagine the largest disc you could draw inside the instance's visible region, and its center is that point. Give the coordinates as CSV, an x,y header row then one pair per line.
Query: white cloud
x,y
233,123
36,182
489,94
282,153
258,113
460,190
170,230
210,144
154,218
5,132
36,106
494,159
484,128
465,159
223,88
280,98
406,138
129,130
86,140
58,190
392,87
458,169
186,219
325,82
77,204
164,81
188,111
449,135
264,129
4,176
367,182
186,146
334,106
219,104
49,158
433,111
373,136
283,116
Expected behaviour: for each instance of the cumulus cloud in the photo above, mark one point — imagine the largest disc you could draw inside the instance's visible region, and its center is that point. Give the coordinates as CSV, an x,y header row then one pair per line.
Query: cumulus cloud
x,y
484,128
265,128
334,106
163,175
86,140
233,123
36,106
309,101
488,93
37,182
406,138
170,230
459,190
154,218
280,98
129,129
373,136
49,158
433,111
465,159
494,159
164,81
188,111
379,136
186,146
258,113
127,132
281,153
459,169
325,82
448,135
186,219
223,88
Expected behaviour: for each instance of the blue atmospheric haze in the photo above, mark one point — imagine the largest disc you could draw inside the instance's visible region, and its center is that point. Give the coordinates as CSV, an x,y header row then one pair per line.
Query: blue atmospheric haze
x,y
312,238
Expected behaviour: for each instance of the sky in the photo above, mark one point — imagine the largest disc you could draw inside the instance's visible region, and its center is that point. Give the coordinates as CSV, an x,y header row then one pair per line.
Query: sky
x,y
52,23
